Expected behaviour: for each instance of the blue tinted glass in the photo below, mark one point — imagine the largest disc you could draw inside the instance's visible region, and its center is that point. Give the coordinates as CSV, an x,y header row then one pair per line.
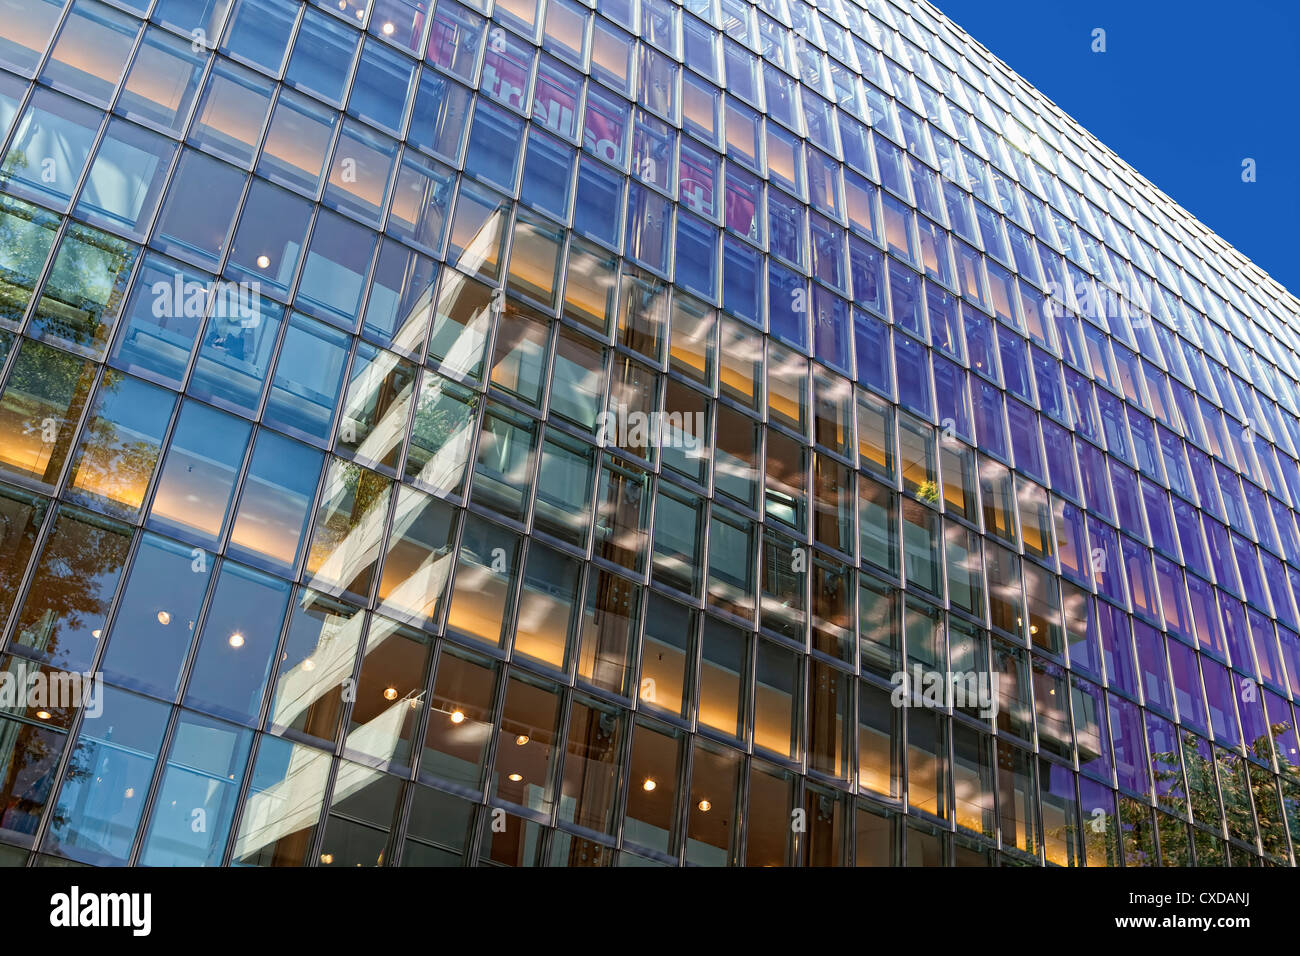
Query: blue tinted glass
x,y
872,347
275,503
95,817
239,638
125,182
307,379
199,210
740,293
914,376
493,151
160,321
697,256
334,275
322,56
832,334
236,355
599,198
198,475
197,795
50,148
154,626
787,312
382,86
259,31
270,237
547,170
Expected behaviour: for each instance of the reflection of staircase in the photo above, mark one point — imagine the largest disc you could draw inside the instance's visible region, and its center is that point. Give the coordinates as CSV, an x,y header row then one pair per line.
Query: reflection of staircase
x,y
294,803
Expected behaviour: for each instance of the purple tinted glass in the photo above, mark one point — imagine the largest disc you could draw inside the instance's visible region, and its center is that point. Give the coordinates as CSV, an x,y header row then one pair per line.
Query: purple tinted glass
x,y
954,402
1107,562
1172,599
1024,439
988,419
913,374
1128,510
1162,738
1219,692
1159,522
1060,460
872,339
1113,626
1187,686
867,268
1131,768
1155,670
1205,616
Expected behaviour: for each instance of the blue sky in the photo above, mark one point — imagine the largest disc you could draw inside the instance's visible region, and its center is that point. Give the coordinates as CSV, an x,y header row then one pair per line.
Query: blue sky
x,y
1185,91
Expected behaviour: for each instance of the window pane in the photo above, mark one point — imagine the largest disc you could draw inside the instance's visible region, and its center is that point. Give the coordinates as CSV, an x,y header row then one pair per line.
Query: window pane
x,y
120,445
154,626
198,475
39,409
196,799
274,503
237,644
95,817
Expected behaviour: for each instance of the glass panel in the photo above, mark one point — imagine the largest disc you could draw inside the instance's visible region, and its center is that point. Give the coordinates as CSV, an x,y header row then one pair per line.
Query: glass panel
x,y
99,805
198,475
274,503
39,410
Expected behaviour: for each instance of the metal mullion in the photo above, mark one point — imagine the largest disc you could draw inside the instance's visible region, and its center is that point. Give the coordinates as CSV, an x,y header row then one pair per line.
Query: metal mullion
x,y
444,612
494,738
345,713
20,109
241,801
322,820
154,787
743,795
408,428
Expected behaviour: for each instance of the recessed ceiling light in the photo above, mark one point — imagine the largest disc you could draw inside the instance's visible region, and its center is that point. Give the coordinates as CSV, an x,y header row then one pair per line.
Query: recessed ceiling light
x,y
514,778
43,714
309,665
388,29
705,806
521,740
263,262
236,640
648,785
457,717
390,693
164,618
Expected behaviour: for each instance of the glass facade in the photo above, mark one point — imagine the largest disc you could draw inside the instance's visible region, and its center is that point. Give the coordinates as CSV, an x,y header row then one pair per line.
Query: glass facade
x,y
536,432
